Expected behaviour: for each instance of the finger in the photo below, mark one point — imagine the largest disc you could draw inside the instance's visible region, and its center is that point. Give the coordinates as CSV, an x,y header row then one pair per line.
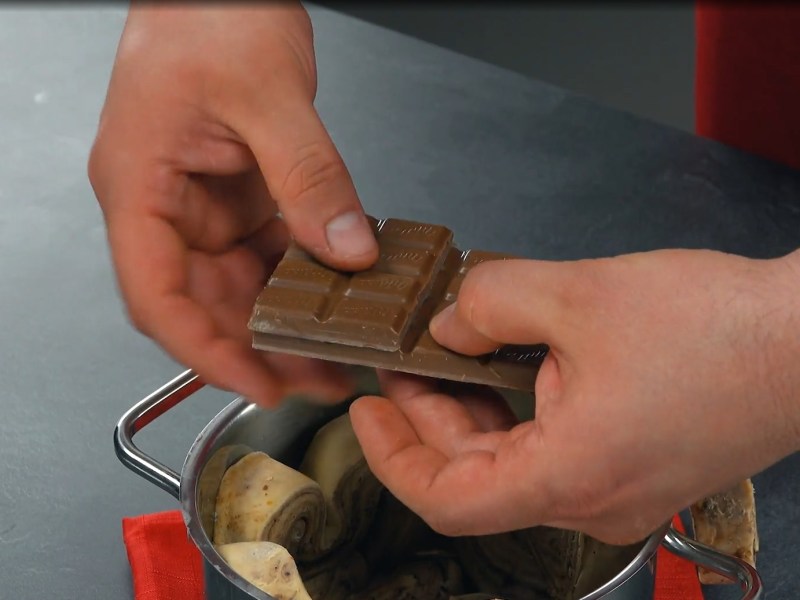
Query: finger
x,y
212,213
269,242
400,386
324,381
486,408
227,284
470,494
440,421
308,179
508,302
151,265
232,279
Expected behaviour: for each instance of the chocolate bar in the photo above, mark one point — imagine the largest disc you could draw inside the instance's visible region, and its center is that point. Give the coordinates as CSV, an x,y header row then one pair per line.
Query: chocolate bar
x,y
379,317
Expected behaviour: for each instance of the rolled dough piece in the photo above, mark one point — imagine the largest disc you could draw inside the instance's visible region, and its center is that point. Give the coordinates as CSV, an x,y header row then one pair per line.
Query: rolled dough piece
x,y
261,499
727,522
427,577
334,460
543,561
268,566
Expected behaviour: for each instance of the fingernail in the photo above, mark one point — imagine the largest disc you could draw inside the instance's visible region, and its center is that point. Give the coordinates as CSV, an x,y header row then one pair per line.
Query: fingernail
x,y
350,235
445,314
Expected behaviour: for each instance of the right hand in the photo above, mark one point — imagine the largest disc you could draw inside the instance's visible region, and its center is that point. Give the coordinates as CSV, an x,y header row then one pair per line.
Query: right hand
x,y
671,376
208,131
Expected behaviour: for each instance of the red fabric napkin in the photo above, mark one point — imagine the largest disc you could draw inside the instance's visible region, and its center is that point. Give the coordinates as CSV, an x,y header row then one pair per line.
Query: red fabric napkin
x,y
676,578
166,565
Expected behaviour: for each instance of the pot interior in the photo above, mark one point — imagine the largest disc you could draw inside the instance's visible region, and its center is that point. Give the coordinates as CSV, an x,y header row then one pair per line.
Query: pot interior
x,y
284,434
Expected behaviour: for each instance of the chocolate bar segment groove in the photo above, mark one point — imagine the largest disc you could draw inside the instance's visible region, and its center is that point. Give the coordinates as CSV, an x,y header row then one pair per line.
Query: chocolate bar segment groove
x,y
379,317
373,309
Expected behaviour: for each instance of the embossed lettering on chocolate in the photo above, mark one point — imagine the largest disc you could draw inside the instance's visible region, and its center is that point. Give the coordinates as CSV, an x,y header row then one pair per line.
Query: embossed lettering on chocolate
x,y
379,317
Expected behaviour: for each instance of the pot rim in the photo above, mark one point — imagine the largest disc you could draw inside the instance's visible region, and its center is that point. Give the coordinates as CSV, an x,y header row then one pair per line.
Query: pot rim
x,y
186,491
199,453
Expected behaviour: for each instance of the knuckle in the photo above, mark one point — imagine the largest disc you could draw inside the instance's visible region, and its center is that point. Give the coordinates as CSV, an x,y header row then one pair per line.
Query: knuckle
x,y
97,170
94,166
137,318
315,167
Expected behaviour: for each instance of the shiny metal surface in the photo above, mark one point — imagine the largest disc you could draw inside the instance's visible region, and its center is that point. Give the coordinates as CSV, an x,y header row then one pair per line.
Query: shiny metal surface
x,y
284,433
239,428
728,566
510,164
141,415
637,580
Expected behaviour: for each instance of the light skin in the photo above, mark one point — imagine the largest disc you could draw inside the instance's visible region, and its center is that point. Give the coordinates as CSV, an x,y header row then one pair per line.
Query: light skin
x,y
208,130
671,374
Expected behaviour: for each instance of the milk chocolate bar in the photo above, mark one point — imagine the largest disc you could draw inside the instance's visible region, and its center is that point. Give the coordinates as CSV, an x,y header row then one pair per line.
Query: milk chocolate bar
x,y
379,317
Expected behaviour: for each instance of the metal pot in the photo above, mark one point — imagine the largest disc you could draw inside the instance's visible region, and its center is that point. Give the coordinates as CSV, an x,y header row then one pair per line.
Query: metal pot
x,y
284,434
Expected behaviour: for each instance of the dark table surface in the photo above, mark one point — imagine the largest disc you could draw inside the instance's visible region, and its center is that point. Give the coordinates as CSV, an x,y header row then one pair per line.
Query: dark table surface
x,y
510,164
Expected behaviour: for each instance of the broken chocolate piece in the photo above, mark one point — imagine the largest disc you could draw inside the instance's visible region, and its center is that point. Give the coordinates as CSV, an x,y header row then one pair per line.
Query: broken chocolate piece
x,y
379,317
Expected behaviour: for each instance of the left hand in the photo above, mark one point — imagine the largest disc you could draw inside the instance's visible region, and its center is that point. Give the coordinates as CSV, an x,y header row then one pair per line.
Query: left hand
x,y
208,132
671,375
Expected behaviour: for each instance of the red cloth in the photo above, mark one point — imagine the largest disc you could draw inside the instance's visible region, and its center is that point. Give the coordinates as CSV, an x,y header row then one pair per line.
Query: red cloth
x,y
747,88
167,566
676,578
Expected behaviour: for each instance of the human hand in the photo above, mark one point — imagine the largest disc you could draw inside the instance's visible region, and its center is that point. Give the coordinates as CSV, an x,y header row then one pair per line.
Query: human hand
x,y
671,376
208,131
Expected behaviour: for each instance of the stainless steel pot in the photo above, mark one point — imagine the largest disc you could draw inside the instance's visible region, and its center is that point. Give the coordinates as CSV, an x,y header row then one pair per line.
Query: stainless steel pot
x,y
284,434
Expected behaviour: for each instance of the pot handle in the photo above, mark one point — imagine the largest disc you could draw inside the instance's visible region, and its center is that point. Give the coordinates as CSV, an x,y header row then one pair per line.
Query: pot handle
x,y
726,565
142,414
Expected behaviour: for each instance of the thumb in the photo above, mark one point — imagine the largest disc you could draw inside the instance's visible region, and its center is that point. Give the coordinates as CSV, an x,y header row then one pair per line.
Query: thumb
x,y
507,302
310,183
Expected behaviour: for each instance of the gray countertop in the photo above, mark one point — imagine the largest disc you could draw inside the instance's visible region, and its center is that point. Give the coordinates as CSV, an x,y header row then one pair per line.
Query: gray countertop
x,y
510,164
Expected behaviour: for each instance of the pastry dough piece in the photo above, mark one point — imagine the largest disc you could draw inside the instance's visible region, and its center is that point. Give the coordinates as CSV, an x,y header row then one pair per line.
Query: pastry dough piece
x,y
431,577
727,522
210,480
335,461
336,577
542,562
268,566
261,499
396,533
